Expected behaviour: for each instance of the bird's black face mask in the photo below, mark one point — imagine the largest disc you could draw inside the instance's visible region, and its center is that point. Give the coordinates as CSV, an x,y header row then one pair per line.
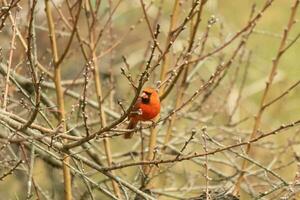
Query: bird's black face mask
x,y
146,97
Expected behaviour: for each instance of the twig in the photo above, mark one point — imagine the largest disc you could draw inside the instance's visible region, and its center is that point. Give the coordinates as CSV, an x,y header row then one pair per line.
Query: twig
x,y
83,99
186,143
148,23
204,133
32,57
65,52
59,98
31,165
286,92
12,47
11,170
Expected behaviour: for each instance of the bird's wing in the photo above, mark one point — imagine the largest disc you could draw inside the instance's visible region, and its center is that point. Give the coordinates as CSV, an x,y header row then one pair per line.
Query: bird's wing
x,y
136,108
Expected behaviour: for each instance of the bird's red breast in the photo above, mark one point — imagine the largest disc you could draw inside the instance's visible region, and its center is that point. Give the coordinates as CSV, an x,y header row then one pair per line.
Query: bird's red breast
x,y
146,108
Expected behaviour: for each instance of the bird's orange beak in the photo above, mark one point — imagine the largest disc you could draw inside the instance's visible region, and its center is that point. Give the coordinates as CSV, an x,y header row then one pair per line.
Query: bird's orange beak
x,y
144,95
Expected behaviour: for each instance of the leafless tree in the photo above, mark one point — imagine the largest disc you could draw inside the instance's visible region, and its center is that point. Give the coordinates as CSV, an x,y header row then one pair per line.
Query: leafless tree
x,y
71,72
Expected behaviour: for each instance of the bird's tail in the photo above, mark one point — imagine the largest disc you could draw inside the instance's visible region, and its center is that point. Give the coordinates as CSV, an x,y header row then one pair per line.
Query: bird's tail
x,y
132,124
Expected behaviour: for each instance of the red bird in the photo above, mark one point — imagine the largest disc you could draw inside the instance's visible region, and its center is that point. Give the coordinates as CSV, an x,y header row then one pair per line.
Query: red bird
x,y
146,108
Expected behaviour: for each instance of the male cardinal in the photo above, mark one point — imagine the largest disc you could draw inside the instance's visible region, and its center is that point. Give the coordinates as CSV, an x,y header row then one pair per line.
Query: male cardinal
x,y
146,108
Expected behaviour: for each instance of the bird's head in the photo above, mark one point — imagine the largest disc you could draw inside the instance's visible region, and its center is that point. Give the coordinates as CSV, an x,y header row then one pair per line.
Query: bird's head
x,y
147,94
